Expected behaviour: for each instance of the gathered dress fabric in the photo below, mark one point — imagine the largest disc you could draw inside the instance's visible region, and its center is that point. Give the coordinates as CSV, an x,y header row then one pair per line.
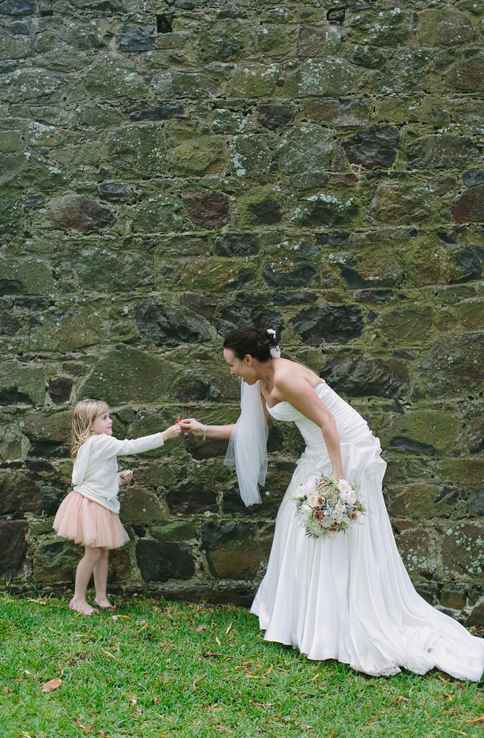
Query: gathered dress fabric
x,y
347,596
89,515
88,523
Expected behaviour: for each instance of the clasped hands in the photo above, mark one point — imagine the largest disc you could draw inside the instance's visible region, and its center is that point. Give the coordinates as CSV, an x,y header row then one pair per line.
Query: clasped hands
x,y
182,425
193,426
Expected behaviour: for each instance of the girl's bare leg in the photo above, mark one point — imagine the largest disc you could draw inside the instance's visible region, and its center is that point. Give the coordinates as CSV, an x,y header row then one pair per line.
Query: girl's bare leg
x,y
101,580
84,571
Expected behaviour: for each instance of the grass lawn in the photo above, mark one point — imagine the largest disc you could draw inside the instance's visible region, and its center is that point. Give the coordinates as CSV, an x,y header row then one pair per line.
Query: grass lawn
x,y
159,669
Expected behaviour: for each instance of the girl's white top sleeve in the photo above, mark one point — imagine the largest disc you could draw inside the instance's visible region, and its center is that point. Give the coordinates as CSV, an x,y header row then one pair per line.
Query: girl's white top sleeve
x,y
107,446
95,472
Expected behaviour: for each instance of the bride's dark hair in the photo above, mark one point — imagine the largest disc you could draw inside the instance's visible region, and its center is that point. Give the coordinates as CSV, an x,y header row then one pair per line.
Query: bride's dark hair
x,y
257,343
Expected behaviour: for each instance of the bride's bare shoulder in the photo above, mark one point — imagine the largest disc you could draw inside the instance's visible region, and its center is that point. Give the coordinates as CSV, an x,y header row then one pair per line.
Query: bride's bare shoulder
x,y
284,367
288,371
291,372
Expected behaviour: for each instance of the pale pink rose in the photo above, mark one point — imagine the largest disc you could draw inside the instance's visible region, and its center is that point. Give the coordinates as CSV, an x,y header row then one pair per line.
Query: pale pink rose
x,y
344,486
309,485
348,497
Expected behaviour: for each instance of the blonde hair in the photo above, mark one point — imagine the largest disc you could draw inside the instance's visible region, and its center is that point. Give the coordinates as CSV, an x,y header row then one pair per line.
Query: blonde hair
x,y
83,416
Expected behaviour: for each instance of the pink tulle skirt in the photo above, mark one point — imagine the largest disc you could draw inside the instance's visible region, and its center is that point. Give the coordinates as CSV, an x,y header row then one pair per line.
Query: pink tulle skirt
x,y
86,522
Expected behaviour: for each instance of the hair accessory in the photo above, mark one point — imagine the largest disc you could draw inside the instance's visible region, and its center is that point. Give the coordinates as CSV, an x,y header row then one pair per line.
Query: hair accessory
x,y
275,351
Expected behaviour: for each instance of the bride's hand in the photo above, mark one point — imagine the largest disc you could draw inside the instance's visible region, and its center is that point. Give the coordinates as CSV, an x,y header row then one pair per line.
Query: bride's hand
x,y
191,425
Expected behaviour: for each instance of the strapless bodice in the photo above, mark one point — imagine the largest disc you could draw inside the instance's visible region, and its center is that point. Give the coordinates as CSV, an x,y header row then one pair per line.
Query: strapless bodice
x,y
352,428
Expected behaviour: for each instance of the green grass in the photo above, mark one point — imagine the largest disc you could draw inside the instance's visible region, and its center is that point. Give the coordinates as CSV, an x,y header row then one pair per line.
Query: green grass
x,y
162,669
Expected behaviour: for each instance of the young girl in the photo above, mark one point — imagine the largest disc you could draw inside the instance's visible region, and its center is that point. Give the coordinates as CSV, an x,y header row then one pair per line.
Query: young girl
x,y
89,514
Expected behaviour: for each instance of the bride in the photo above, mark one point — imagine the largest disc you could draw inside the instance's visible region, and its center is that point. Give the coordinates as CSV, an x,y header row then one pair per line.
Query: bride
x,y
346,596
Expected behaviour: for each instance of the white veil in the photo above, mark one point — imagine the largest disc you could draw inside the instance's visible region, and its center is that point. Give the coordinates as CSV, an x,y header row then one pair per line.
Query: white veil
x,y
247,449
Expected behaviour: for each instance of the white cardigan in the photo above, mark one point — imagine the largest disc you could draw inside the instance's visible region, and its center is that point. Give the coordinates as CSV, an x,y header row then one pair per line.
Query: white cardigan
x,y
95,473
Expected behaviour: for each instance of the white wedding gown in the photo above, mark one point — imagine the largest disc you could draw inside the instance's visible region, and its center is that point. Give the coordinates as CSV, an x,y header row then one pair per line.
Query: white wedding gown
x,y
348,596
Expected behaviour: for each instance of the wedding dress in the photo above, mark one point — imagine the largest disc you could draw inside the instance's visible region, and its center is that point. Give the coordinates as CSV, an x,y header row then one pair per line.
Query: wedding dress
x,y
348,596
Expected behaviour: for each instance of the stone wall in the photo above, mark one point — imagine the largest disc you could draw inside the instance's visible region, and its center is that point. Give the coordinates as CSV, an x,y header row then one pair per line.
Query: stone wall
x,y
170,170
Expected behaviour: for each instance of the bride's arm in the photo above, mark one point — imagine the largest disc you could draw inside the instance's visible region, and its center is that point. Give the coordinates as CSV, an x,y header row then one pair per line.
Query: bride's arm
x,y
302,396
219,432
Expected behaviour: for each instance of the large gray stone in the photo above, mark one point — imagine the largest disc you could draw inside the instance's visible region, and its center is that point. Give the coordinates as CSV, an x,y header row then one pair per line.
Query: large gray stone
x,y
462,549
420,550
28,276
326,209
283,273
167,325
467,75
136,39
60,389
361,376
309,149
469,208
103,269
207,209
68,329
329,77
129,375
140,506
14,445
400,203
49,433
159,562
251,155
444,362
13,546
236,244
261,206
75,212
373,148
233,552
19,492
444,27
17,7
329,323
441,151
22,383
54,561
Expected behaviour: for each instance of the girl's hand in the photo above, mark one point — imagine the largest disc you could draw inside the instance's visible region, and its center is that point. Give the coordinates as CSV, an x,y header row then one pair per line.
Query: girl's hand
x,y
191,425
126,477
172,432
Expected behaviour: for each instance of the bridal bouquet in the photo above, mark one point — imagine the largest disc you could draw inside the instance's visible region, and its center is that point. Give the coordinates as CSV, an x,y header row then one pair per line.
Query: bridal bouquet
x,y
327,505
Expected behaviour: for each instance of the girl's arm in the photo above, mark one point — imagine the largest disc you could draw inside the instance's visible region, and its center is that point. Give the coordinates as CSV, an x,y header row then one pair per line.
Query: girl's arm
x,y
218,432
302,396
109,446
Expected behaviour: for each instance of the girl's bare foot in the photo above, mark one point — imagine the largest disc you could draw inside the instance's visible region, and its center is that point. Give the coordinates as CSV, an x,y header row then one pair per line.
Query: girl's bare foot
x,y
104,604
81,606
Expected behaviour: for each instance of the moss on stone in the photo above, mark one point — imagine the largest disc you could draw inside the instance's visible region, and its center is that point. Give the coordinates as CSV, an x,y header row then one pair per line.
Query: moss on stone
x,y
22,383
427,431
261,206
129,375
198,156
